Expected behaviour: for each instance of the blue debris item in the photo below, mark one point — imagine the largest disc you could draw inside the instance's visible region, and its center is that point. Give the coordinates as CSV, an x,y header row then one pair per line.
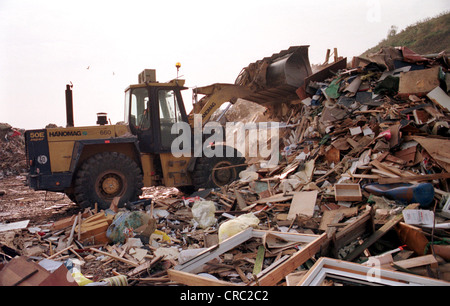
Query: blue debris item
x,y
315,101
404,193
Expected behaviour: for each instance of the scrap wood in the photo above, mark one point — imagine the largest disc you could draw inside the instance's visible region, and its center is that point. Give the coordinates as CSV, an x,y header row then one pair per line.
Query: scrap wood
x,y
353,230
145,266
378,234
129,262
287,266
182,277
93,228
303,203
417,262
69,241
408,179
438,148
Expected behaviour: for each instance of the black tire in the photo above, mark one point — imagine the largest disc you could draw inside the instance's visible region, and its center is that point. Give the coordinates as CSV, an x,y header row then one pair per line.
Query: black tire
x,y
105,176
204,175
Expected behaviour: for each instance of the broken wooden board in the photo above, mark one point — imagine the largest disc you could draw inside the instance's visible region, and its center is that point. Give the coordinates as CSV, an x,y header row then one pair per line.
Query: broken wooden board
x,y
13,225
418,82
93,229
378,234
22,272
438,148
417,262
185,273
275,244
408,179
353,230
303,203
412,236
274,199
328,216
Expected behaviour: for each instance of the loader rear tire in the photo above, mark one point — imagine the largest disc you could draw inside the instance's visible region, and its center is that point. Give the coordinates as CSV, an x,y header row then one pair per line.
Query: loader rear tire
x,y
204,175
105,176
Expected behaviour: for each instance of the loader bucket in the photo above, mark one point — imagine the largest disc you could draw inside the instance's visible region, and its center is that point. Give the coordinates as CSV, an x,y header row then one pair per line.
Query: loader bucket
x,y
276,78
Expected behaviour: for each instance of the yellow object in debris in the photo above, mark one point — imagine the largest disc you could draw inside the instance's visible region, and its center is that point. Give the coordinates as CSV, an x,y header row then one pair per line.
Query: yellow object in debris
x,y
160,234
234,226
80,278
119,280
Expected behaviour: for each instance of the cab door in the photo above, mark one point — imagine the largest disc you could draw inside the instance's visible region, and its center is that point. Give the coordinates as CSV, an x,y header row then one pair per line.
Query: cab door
x,y
170,111
139,115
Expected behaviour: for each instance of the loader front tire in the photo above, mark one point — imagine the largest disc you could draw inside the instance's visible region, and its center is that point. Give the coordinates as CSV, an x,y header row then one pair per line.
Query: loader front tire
x,y
105,176
205,174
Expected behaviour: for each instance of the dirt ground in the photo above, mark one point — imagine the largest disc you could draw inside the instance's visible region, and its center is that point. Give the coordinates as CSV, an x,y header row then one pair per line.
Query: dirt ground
x,y
19,202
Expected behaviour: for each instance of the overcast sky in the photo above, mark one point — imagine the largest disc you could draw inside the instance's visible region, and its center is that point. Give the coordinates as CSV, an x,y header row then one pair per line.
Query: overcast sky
x,y
46,44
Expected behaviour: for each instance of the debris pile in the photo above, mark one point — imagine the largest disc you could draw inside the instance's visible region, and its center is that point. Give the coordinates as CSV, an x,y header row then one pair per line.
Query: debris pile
x,y
361,184
12,151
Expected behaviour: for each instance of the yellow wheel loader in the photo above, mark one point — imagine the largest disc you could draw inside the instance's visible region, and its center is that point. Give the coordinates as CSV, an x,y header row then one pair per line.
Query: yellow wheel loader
x,y
95,164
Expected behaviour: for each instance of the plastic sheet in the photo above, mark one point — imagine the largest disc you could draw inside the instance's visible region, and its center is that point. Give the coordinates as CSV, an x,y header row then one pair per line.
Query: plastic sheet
x,y
203,213
234,226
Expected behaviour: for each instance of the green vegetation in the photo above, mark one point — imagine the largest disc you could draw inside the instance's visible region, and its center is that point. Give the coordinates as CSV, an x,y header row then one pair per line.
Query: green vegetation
x,y
429,36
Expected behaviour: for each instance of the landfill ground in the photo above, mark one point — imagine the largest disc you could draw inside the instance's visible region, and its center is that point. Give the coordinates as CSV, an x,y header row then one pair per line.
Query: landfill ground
x,y
359,196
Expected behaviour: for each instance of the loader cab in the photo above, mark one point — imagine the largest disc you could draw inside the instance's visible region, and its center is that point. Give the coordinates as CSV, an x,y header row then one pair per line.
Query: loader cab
x,y
150,111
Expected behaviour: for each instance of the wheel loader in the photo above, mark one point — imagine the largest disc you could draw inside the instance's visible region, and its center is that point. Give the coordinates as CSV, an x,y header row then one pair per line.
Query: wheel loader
x,y
95,164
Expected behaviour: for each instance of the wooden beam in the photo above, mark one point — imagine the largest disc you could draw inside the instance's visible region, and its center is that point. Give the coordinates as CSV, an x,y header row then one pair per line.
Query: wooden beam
x,y
194,280
296,260
408,179
378,234
129,262
417,262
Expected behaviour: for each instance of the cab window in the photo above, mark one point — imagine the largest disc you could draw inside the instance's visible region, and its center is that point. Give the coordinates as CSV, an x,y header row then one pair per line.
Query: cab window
x,y
139,109
169,113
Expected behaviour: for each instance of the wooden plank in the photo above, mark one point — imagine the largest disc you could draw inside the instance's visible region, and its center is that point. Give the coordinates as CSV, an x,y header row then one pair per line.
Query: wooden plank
x,y
20,272
296,260
129,262
417,262
14,226
407,179
413,237
392,171
69,241
274,199
378,234
240,200
194,280
328,216
146,265
63,223
303,203
354,230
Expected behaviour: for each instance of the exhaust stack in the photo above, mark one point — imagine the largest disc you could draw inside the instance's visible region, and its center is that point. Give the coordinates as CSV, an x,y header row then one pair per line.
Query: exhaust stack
x,y
69,106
